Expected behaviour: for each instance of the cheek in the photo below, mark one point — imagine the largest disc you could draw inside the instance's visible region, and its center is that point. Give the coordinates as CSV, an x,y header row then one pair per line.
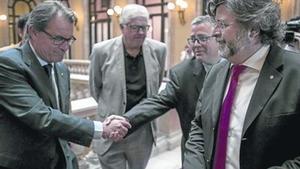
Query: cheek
x,y
213,44
229,34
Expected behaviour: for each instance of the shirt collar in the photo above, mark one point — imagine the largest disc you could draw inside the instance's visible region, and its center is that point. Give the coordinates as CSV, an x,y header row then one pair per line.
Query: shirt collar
x,y
207,66
257,60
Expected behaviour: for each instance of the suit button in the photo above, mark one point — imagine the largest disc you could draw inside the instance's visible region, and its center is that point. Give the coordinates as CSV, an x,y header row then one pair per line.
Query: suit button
x,y
244,139
124,103
213,129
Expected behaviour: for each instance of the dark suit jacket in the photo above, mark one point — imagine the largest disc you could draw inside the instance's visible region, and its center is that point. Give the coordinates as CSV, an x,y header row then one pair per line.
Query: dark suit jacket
x,y
32,131
270,135
181,92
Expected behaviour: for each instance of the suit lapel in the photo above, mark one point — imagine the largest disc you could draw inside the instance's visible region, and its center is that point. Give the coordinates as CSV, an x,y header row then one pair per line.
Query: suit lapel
x,y
118,55
219,89
61,77
198,72
148,64
43,83
267,82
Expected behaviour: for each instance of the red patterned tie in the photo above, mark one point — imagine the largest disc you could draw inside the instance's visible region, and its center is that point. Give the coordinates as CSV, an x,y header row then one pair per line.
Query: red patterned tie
x,y
221,144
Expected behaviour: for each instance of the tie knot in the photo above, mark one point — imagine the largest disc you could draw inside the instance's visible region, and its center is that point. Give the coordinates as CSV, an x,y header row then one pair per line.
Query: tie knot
x,y
48,69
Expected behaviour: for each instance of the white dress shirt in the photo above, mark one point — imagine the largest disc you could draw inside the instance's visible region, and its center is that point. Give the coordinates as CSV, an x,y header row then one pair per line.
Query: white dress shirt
x,y
246,84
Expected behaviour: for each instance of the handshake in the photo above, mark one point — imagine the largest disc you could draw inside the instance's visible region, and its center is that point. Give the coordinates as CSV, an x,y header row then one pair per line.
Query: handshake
x,y
115,127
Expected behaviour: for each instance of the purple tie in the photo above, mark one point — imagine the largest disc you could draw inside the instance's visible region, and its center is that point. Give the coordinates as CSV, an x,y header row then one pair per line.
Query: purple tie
x,y
221,144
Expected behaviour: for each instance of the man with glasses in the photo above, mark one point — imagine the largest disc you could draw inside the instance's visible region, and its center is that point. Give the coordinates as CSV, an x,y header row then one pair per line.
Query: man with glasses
x,y
249,109
35,97
124,71
186,78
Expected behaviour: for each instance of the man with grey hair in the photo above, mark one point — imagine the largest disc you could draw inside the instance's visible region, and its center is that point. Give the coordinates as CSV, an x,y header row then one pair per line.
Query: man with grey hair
x,y
248,115
35,97
125,70
185,84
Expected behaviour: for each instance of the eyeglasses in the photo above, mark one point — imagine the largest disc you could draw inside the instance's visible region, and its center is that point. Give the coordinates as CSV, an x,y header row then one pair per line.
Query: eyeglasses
x,y
212,6
137,28
198,38
59,40
222,25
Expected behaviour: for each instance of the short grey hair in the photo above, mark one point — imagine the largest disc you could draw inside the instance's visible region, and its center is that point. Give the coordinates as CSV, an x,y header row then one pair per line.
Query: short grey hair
x,y
262,16
202,19
41,15
132,11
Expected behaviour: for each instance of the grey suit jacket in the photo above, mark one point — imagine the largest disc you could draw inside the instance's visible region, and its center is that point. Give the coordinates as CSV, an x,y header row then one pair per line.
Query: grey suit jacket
x,y
30,126
181,92
107,77
270,133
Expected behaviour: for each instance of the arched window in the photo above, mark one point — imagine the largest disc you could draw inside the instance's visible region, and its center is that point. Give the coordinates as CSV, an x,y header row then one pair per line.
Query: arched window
x,y
17,8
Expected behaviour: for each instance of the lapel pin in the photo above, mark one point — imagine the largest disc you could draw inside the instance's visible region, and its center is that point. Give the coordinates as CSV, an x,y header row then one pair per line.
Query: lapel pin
x,y
271,77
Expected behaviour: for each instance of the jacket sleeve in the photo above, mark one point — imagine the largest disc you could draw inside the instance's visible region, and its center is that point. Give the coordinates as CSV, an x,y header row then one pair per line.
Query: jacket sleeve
x,y
20,100
162,60
194,147
155,106
95,75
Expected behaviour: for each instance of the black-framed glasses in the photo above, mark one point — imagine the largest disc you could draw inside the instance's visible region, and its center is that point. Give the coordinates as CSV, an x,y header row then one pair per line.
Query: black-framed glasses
x,y
137,28
212,6
59,40
198,38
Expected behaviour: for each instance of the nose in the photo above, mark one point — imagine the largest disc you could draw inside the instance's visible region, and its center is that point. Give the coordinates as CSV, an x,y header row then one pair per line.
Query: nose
x,y
141,31
64,46
217,32
198,42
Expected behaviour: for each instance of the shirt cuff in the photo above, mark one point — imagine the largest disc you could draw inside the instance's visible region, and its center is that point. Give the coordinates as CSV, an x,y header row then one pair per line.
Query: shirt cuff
x,y
98,130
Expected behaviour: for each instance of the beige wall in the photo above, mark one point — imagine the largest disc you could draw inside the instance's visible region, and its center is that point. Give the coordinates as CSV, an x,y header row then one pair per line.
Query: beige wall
x,y
178,33
4,39
287,9
80,49
116,31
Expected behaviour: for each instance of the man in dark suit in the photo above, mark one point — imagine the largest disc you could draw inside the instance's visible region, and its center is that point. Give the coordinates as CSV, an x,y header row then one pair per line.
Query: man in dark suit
x,y
34,103
262,114
186,78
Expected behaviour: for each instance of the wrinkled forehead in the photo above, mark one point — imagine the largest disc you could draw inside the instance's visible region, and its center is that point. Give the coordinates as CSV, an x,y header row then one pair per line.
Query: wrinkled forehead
x,y
139,20
203,28
223,14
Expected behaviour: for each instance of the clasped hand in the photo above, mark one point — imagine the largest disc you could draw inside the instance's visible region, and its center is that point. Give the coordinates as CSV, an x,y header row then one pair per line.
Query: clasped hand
x,y
115,127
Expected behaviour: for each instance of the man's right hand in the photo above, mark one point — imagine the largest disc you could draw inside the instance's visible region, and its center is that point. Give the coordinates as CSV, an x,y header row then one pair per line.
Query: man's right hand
x,y
115,127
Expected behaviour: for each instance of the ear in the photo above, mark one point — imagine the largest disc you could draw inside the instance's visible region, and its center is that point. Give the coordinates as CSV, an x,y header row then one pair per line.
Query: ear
x,y
31,31
253,34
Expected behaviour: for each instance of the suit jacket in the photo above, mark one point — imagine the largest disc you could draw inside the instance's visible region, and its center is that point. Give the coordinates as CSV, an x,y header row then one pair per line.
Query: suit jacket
x,y
32,130
270,133
181,92
107,77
